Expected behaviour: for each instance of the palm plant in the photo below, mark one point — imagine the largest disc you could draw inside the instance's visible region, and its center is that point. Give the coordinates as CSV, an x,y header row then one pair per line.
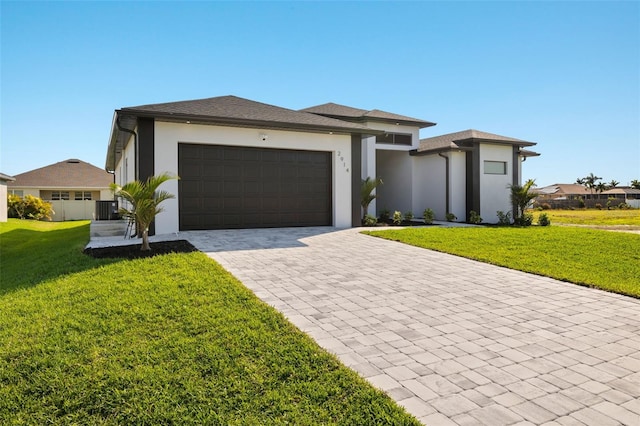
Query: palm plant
x,y
590,182
613,183
521,196
366,193
144,200
635,184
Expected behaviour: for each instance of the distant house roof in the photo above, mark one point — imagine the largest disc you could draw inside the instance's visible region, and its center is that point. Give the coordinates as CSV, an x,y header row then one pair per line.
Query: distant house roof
x,y
348,113
228,111
6,178
464,140
563,189
70,173
622,190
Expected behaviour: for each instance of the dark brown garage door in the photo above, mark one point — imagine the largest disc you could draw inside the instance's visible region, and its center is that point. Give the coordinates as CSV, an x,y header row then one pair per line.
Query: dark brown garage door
x,y
226,187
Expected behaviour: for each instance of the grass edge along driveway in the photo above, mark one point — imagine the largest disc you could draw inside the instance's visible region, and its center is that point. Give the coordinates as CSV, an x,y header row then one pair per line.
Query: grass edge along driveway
x,y
170,339
601,259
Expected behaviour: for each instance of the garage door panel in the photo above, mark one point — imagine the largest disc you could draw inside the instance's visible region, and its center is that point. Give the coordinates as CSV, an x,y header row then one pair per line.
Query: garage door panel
x,y
242,187
212,204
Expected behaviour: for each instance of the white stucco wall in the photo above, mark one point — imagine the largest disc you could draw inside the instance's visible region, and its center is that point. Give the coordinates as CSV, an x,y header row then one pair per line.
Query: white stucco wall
x,y
393,164
106,194
396,128
168,135
395,169
458,184
3,201
368,164
429,185
494,189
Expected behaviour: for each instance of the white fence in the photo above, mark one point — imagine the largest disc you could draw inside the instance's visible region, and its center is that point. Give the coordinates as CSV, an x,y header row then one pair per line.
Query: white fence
x,y
73,210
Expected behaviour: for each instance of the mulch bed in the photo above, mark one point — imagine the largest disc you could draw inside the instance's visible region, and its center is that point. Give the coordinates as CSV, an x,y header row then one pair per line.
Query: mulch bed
x,y
133,251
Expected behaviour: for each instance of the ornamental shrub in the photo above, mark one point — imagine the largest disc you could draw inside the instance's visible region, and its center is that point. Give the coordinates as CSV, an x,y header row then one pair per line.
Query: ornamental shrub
x,y
504,219
29,207
408,215
474,217
369,220
428,216
397,218
543,220
451,217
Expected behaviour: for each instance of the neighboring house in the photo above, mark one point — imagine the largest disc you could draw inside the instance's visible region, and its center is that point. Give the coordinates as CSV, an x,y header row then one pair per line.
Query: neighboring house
x,y
245,164
564,191
4,179
564,195
624,194
72,186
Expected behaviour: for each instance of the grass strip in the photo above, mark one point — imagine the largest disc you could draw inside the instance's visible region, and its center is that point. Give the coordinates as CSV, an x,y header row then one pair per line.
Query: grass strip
x,y
173,339
601,259
593,217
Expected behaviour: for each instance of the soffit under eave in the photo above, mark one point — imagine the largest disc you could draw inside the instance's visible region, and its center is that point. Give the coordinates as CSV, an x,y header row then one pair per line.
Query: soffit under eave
x,y
119,138
416,152
469,141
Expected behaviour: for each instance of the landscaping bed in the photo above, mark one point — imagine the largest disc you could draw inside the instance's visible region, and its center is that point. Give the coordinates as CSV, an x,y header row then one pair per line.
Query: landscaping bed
x,y
133,251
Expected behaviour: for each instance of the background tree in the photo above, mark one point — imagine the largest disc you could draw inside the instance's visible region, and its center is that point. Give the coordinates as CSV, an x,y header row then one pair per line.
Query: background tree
x,y
590,182
613,183
143,200
521,196
601,187
366,193
635,184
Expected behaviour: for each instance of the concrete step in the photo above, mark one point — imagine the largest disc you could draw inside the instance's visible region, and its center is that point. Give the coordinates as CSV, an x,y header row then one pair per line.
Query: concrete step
x,y
107,228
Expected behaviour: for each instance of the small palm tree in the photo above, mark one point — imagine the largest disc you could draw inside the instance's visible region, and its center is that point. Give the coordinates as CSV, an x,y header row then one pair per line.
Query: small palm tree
x,y
366,193
635,184
521,196
144,200
613,183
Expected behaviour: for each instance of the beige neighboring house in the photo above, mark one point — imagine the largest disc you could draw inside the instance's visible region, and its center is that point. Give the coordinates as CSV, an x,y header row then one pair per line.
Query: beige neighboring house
x,y
72,186
4,179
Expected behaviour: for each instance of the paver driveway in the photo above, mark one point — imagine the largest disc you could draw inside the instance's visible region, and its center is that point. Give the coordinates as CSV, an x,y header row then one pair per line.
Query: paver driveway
x,y
453,340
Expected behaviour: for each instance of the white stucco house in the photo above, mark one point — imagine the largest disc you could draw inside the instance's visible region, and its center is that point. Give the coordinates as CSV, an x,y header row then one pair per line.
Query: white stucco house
x,y
3,195
246,164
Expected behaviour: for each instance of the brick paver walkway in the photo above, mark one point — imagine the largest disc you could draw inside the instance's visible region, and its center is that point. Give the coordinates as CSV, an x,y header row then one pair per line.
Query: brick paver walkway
x,y
456,342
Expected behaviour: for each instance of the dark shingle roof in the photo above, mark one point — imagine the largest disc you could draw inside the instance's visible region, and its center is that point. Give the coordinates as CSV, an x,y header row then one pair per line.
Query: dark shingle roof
x,y
70,173
355,114
6,178
232,109
464,139
226,111
622,190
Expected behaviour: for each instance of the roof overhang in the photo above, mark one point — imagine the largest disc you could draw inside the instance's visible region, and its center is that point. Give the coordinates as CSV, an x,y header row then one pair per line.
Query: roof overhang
x,y
364,119
125,121
6,178
440,150
494,141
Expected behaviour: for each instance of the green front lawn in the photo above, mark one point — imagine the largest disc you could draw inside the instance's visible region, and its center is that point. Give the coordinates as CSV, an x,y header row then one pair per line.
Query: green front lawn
x,y
602,259
173,339
594,217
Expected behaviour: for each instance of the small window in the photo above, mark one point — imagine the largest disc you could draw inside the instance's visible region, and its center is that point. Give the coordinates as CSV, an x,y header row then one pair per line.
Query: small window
x,y
59,195
83,195
495,167
395,139
18,192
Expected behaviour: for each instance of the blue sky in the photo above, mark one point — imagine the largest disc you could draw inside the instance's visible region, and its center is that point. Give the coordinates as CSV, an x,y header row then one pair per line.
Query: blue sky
x,y
563,74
